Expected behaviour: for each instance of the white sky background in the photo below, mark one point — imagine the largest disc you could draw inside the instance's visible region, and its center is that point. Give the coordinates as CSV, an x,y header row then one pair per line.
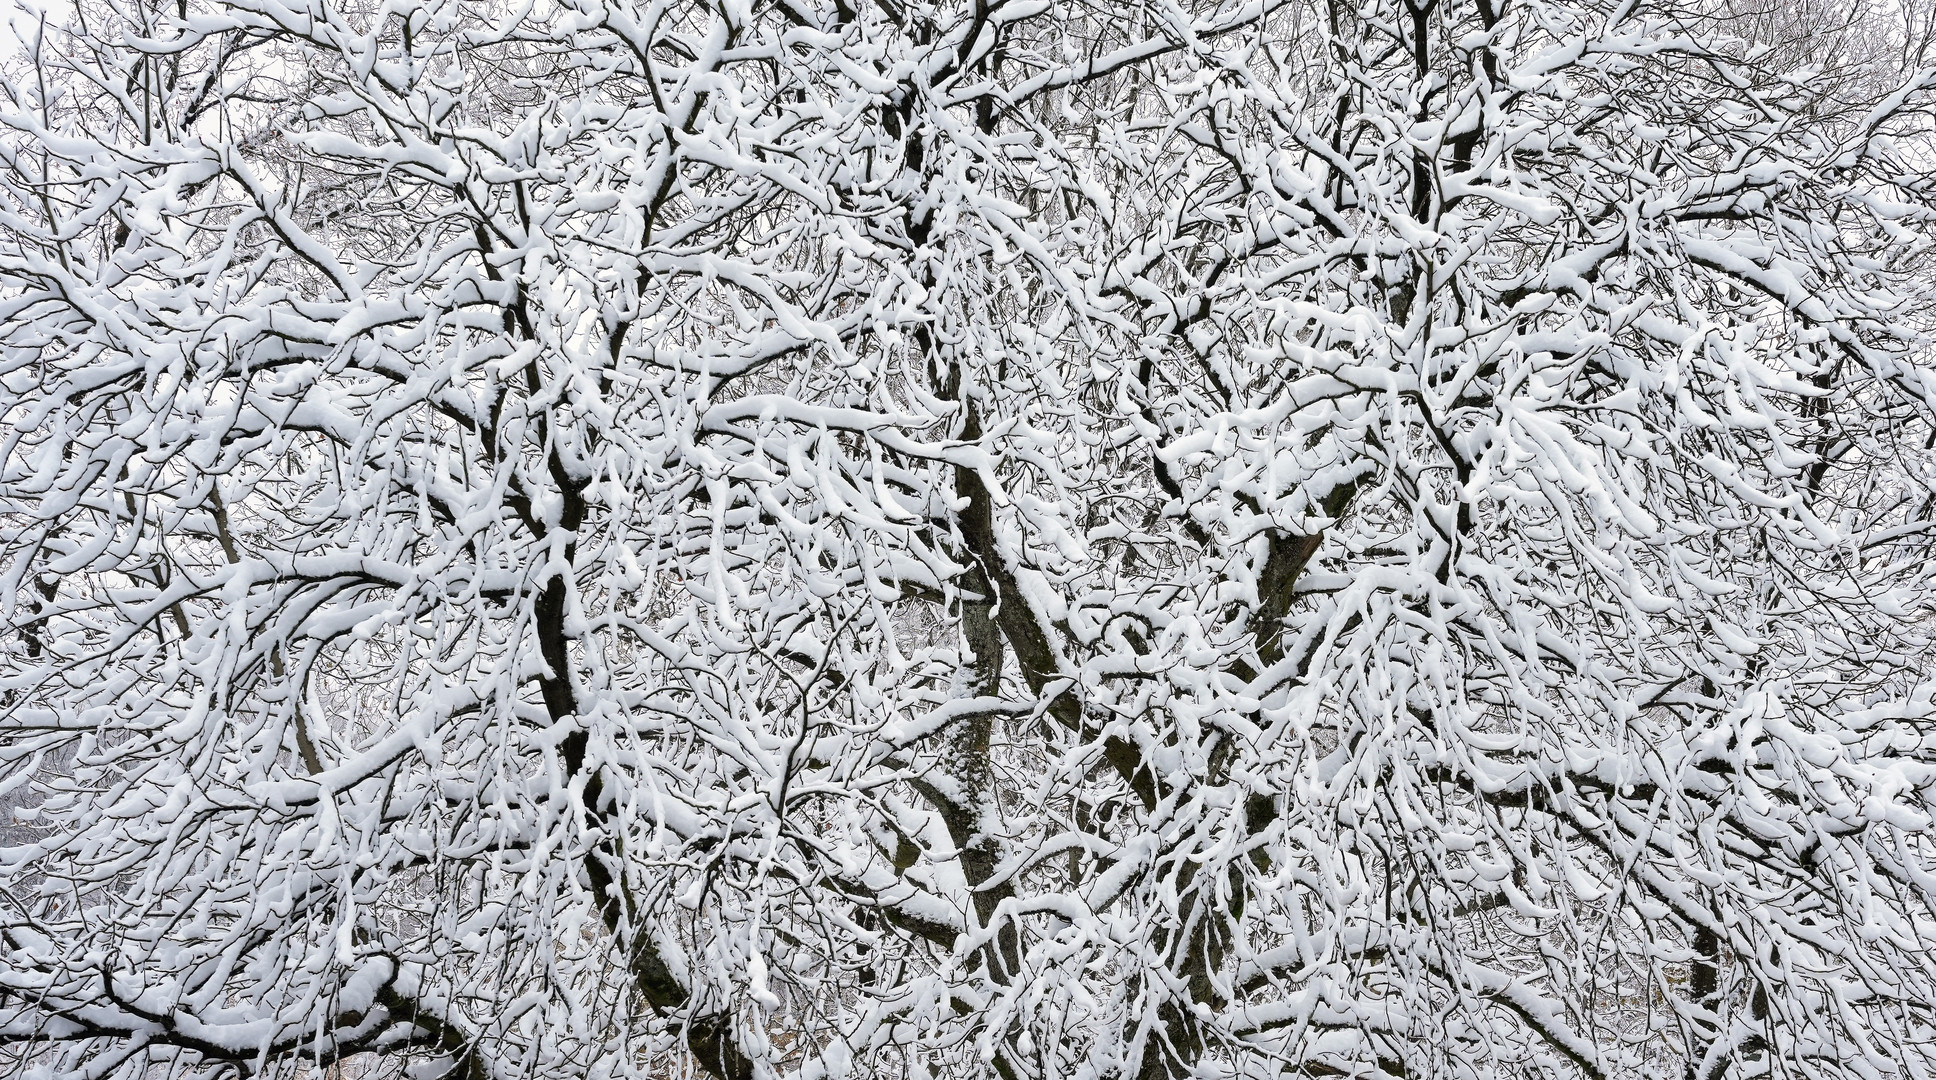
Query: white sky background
x,y
17,21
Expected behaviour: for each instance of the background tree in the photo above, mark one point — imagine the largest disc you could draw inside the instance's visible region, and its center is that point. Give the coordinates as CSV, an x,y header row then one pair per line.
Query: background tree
x,y
1055,540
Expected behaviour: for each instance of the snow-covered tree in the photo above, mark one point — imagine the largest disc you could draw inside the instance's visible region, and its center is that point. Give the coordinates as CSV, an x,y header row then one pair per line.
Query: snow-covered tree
x,y
1016,538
